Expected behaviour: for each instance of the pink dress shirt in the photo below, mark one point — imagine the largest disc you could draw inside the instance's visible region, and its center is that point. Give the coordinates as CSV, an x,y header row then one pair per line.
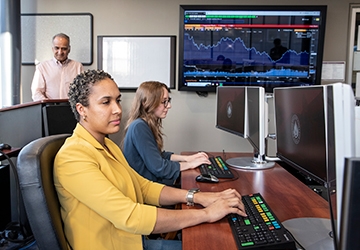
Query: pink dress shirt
x,y
52,79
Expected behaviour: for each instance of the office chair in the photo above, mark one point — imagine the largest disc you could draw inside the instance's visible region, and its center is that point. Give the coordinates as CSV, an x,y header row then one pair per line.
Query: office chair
x,y
35,172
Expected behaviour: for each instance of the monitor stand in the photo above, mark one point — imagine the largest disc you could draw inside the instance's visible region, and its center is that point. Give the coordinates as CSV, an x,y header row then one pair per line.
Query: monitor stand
x,y
250,163
311,233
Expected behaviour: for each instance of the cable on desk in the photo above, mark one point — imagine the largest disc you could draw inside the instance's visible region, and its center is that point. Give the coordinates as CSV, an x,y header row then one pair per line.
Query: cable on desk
x,y
224,155
237,174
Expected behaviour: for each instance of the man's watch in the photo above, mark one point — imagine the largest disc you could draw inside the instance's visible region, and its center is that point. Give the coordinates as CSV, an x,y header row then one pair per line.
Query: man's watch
x,y
190,196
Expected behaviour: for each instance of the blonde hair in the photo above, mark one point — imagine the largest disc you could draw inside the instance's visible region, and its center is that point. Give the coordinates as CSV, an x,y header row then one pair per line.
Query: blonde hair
x,y
147,98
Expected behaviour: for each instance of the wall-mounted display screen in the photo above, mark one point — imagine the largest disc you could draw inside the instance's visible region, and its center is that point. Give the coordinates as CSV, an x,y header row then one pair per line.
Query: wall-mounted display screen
x,y
267,46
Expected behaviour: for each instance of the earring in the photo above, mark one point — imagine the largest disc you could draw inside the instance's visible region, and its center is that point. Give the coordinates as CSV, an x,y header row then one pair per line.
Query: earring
x,y
84,117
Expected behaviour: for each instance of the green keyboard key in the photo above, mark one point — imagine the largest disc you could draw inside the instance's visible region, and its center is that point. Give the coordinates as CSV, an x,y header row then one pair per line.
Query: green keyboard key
x,y
250,243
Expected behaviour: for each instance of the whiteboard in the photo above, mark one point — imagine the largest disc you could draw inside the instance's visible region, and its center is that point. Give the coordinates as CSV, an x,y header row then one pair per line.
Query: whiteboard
x,y
37,31
131,60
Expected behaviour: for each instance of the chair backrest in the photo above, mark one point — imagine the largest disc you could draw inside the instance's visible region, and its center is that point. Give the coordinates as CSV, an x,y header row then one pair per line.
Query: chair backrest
x,y
35,171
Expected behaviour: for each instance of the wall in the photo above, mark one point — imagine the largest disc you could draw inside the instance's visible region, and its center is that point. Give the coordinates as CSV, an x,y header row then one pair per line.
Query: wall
x,y
190,124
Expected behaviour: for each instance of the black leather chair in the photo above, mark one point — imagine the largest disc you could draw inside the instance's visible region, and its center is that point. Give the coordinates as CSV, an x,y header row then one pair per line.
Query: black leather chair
x,y
35,171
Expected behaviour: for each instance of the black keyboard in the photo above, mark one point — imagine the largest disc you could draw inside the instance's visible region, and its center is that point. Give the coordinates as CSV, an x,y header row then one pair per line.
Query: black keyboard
x,y
218,168
261,229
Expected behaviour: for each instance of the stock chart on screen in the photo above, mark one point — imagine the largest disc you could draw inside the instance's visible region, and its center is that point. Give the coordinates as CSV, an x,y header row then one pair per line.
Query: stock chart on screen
x,y
259,46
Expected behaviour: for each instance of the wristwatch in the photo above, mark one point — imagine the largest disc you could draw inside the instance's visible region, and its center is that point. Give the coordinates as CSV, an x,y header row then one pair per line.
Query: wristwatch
x,y
190,196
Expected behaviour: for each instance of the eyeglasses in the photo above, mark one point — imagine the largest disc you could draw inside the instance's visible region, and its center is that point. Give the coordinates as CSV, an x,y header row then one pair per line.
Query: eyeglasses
x,y
166,102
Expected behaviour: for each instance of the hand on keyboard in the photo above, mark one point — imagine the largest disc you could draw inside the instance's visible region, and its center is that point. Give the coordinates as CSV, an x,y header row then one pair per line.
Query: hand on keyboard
x,y
193,161
218,167
224,206
207,198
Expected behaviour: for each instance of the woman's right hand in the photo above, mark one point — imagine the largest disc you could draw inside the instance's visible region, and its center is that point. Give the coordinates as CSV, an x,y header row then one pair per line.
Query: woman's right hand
x,y
196,162
222,207
198,155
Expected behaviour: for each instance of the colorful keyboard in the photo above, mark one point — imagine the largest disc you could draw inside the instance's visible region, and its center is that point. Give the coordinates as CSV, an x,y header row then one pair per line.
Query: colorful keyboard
x,y
217,168
261,229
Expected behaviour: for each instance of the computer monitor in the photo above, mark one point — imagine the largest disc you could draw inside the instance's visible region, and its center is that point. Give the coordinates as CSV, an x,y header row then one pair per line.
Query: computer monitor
x,y
232,110
315,132
250,45
350,216
242,111
58,119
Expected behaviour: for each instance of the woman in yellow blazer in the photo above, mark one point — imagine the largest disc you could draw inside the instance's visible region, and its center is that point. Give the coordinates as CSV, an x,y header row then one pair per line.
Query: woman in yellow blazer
x,y
105,204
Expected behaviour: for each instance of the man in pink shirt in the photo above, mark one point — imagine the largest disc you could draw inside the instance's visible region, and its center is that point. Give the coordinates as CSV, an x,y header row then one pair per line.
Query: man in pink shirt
x,y
53,77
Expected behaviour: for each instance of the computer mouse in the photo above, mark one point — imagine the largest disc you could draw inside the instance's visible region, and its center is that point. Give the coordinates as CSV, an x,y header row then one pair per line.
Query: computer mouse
x,y
207,178
4,146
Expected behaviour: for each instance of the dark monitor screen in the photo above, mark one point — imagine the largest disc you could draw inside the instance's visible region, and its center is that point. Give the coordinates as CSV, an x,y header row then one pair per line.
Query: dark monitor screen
x,y
268,46
301,130
231,110
58,119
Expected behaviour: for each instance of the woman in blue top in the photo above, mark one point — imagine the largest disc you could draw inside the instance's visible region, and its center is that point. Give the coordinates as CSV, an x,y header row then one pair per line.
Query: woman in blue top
x,y
143,142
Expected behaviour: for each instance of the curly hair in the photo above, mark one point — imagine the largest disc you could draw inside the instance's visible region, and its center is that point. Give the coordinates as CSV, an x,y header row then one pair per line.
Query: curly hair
x,y
147,98
80,88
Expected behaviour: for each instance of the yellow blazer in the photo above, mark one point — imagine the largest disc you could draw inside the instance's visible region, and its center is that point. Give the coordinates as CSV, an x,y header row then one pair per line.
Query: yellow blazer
x,y
103,200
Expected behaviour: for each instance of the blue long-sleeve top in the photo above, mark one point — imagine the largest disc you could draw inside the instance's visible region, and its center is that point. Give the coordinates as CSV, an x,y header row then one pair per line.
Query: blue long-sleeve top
x,y
142,154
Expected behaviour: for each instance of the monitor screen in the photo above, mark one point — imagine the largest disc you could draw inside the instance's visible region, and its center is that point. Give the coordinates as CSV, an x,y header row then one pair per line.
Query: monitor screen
x,y
315,131
301,130
231,110
268,46
58,119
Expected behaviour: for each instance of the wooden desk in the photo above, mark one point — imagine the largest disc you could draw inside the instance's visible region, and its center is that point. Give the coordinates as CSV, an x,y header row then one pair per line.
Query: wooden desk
x,y
287,197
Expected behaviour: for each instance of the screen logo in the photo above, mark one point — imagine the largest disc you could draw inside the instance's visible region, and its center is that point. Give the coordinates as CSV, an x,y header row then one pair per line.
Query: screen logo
x,y
295,129
229,110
